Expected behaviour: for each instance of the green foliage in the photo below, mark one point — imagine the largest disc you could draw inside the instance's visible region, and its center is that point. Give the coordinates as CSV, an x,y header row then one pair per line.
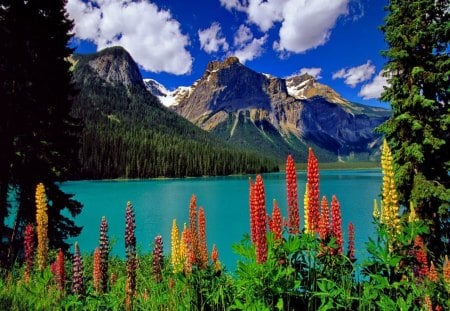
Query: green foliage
x,y
418,35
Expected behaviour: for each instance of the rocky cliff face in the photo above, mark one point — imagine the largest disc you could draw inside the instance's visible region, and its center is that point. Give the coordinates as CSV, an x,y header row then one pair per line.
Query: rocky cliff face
x,y
280,116
114,65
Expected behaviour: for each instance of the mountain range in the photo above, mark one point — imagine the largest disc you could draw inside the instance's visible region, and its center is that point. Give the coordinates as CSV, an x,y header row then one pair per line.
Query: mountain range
x,y
276,116
127,133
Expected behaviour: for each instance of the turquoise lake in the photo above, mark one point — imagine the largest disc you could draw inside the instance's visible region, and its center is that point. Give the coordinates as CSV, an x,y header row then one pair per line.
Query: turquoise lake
x,y
225,200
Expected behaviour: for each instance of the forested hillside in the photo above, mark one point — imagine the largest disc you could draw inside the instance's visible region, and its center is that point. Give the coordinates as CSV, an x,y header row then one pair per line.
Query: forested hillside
x,y
129,134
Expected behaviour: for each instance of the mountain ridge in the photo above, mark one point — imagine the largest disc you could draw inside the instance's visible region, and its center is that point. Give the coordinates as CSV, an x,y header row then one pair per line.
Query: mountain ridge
x,y
287,115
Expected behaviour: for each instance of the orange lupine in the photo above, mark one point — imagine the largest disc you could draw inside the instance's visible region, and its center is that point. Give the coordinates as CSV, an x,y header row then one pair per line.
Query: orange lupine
x,y
432,273
97,272
193,227
313,192
202,246
446,270
421,269
215,258
41,226
292,196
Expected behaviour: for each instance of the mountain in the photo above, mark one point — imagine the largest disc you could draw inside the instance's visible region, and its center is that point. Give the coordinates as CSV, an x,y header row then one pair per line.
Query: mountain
x,y
276,116
166,97
127,133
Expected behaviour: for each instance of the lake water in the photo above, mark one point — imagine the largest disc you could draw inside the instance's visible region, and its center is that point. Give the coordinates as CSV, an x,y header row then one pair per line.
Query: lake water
x,y
225,200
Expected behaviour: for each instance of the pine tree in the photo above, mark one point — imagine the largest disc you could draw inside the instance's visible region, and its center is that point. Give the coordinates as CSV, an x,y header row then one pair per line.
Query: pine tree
x,y
38,137
418,64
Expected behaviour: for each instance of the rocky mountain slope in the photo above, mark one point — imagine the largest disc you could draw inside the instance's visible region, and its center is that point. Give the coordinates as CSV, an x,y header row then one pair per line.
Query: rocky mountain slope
x,y
128,133
276,116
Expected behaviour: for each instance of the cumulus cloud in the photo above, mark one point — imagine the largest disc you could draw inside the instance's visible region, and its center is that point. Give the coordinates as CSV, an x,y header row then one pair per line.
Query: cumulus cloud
x,y
305,24
355,75
246,47
374,89
212,40
152,36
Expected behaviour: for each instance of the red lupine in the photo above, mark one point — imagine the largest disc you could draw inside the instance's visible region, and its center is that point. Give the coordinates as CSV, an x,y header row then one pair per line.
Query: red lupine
x,y
97,270
190,253
421,268
324,223
313,192
158,259
59,271
260,220
351,242
336,224
432,273
28,244
275,223
202,246
252,204
292,196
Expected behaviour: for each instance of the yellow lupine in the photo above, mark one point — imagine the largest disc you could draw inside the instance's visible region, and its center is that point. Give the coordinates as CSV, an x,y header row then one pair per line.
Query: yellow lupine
x,y
41,226
376,211
175,241
306,209
183,246
412,213
390,205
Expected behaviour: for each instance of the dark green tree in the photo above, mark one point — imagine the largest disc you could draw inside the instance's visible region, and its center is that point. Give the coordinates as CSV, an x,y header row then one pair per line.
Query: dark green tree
x,y
417,33
39,140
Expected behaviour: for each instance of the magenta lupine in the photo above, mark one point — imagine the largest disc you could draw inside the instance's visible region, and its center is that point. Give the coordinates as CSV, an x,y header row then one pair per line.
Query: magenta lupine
x,y
158,259
351,242
336,224
252,204
130,249
104,254
292,196
77,275
28,244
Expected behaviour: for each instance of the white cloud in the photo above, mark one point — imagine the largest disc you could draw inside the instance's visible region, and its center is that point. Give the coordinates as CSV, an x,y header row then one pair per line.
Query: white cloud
x,y
251,50
355,75
374,89
305,24
246,47
211,39
152,36
313,71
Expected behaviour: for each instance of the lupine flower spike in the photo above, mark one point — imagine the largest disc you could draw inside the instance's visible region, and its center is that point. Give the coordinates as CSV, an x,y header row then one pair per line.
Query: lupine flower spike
x,y
58,271
292,197
446,271
252,203
42,226
390,210
376,211
158,259
306,209
421,270
77,275
275,223
97,270
336,223
130,248
260,220
202,246
215,258
313,192
28,251
351,242
193,226
432,273
104,254
412,213
324,223
175,243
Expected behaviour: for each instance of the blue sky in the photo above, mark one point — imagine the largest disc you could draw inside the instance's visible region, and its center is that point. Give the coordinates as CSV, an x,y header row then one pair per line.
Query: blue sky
x,y
338,41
